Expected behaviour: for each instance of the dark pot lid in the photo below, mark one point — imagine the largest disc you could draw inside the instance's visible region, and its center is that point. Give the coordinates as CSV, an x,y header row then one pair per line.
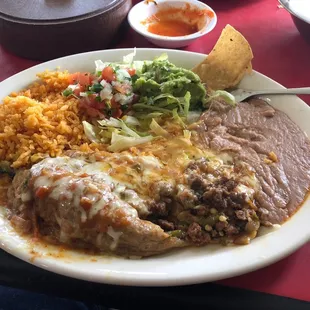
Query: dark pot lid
x,y
46,11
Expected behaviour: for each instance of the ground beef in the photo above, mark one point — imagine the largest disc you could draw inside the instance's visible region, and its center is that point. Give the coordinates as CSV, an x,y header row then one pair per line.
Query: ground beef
x,y
200,211
162,189
166,225
252,226
162,193
201,164
187,198
230,184
210,207
220,226
217,193
196,234
197,183
231,230
241,215
159,208
245,214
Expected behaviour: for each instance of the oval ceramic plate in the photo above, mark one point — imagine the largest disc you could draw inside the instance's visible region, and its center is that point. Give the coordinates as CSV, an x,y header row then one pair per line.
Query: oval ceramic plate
x,y
179,267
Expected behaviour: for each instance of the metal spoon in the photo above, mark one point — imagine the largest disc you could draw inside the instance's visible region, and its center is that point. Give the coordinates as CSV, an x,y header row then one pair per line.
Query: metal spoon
x,y
242,94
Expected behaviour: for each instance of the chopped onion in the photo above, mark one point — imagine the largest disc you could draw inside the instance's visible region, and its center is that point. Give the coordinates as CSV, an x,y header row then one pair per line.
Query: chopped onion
x,y
122,74
106,92
104,83
73,87
118,97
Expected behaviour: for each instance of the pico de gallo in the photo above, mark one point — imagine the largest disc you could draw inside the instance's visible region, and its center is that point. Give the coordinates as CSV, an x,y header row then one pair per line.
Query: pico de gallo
x,y
108,92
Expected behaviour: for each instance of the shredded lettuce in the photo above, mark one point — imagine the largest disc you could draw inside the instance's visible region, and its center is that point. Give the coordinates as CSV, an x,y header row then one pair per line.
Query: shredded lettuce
x,y
162,57
187,134
139,64
130,120
128,132
158,130
177,118
100,65
110,122
226,96
90,132
153,115
144,107
187,99
120,133
128,59
120,143
165,103
120,125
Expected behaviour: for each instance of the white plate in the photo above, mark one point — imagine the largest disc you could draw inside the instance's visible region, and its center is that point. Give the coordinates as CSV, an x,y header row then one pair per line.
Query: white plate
x,y
183,266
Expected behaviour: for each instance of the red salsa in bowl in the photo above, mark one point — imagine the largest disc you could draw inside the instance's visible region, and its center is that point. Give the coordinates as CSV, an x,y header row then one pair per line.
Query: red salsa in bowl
x,y
177,21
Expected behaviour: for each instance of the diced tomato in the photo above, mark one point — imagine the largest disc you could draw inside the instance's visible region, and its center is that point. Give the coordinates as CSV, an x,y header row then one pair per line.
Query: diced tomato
x,y
86,203
42,192
79,88
73,78
94,113
73,186
100,105
114,104
108,74
84,79
117,112
120,219
116,108
131,71
91,110
92,101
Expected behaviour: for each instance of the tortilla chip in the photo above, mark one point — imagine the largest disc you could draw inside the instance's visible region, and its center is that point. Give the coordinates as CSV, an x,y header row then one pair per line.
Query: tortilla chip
x,y
228,62
249,68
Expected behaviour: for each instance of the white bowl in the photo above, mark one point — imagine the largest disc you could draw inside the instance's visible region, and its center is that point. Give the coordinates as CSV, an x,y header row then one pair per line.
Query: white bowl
x,y
144,10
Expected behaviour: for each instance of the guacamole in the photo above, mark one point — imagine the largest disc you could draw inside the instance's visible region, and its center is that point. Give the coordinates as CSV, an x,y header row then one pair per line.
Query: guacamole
x,y
160,83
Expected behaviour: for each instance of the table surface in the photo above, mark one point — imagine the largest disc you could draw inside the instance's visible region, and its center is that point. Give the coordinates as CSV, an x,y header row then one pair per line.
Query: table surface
x,y
280,53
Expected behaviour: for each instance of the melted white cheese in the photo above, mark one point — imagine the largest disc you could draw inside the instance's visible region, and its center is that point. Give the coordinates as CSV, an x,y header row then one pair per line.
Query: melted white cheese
x,y
26,196
43,181
98,206
149,162
115,236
